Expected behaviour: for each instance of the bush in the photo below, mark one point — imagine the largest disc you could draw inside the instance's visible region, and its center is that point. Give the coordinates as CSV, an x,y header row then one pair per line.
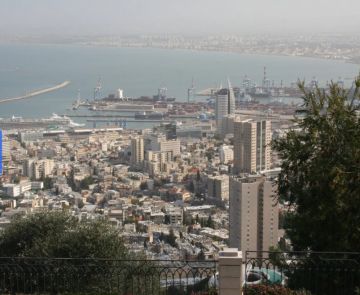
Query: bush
x,y
271,290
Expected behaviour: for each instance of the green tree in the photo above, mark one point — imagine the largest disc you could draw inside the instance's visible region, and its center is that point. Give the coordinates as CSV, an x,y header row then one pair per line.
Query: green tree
x,y
201,255
171,238
47,182
144,186
210,222
86,182
320,173
58,234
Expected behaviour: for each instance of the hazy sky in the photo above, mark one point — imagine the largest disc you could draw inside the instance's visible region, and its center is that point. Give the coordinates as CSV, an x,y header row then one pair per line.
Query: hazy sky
x,y
178,16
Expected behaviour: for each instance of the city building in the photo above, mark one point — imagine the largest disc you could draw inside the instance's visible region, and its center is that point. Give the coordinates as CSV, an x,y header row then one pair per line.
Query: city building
x,y
218,187
253,213
226,154
37,169
169,129
158,142
5,154
137,150
252,151
227,124
174,215
224,105
1,147
157,162
28,136
12,189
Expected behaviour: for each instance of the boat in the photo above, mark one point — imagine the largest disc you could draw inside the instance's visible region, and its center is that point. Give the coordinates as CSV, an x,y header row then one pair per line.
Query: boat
x,y
149,116
21,123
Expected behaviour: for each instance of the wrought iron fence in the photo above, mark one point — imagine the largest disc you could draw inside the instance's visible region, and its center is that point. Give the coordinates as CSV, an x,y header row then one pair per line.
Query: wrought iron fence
x,y
103,276
317,273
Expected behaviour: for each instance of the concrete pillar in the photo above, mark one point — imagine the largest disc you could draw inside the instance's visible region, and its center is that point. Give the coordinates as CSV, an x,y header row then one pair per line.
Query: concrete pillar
x,y
230,272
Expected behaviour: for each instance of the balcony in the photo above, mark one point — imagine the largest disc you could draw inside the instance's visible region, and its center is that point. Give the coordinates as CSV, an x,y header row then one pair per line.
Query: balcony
x,y
103,276
295,273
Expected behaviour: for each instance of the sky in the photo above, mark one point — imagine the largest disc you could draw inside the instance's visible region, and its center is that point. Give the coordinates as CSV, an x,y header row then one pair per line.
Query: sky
x,y
191,17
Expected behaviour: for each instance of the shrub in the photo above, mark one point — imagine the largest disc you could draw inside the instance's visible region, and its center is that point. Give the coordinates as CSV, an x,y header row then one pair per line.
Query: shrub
x,y
271,290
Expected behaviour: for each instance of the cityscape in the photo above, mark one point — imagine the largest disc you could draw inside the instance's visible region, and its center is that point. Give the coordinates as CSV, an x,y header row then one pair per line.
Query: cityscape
x,y
248,186
328,46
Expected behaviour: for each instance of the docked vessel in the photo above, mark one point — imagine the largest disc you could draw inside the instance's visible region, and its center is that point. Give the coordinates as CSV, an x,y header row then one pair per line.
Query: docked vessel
x,y
149,116
53,122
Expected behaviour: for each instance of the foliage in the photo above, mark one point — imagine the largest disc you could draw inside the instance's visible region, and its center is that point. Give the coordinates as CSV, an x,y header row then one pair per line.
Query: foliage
x,y
143,186
86,182
47,183
271,290
169,239
58,234
210,222
320,173
201,255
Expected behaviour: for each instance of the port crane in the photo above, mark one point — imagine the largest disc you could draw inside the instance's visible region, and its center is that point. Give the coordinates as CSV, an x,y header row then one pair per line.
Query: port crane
x,y
191,91
97,90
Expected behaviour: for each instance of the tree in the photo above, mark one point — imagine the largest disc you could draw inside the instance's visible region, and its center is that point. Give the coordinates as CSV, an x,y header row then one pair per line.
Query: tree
x,y
171,239
144,186
86,182
47,182
210,222
201,255
58,234
320,173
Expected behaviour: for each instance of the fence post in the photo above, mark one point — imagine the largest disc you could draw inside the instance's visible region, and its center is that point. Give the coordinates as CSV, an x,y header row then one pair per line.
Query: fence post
x,y
230,272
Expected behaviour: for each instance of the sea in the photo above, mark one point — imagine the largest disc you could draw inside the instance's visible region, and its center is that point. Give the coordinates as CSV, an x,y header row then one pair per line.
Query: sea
x,y
140,72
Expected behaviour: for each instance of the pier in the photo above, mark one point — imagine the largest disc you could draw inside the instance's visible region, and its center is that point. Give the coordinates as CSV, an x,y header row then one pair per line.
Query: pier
x,y
37,92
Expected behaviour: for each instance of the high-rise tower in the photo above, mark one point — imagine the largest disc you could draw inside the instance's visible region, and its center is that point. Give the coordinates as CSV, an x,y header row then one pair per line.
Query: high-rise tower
x,y
137,150
252,151
253,213
225,105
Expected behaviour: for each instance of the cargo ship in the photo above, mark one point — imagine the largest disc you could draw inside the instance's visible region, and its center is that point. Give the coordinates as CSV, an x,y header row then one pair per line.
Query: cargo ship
x,y
149,116
53,122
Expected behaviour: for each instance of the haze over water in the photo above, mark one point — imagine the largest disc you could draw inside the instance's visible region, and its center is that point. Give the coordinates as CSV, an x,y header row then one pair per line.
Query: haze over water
x,y
139,72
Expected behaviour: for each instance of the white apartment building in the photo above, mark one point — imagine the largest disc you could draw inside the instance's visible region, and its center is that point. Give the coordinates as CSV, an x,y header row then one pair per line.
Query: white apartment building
x,y
157,162
226,154
36,169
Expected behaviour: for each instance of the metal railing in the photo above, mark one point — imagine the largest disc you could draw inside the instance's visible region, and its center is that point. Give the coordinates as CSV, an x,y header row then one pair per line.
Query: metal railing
x,y
316,273
104,276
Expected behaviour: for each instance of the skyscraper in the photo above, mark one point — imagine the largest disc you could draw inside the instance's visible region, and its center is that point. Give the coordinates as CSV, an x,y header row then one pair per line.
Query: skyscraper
x,y
253,213
137,150
225,105
252,146
1,163
5,154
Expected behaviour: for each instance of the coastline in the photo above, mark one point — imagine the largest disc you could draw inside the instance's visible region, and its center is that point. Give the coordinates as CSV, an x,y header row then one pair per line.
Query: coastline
x,y
350,60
